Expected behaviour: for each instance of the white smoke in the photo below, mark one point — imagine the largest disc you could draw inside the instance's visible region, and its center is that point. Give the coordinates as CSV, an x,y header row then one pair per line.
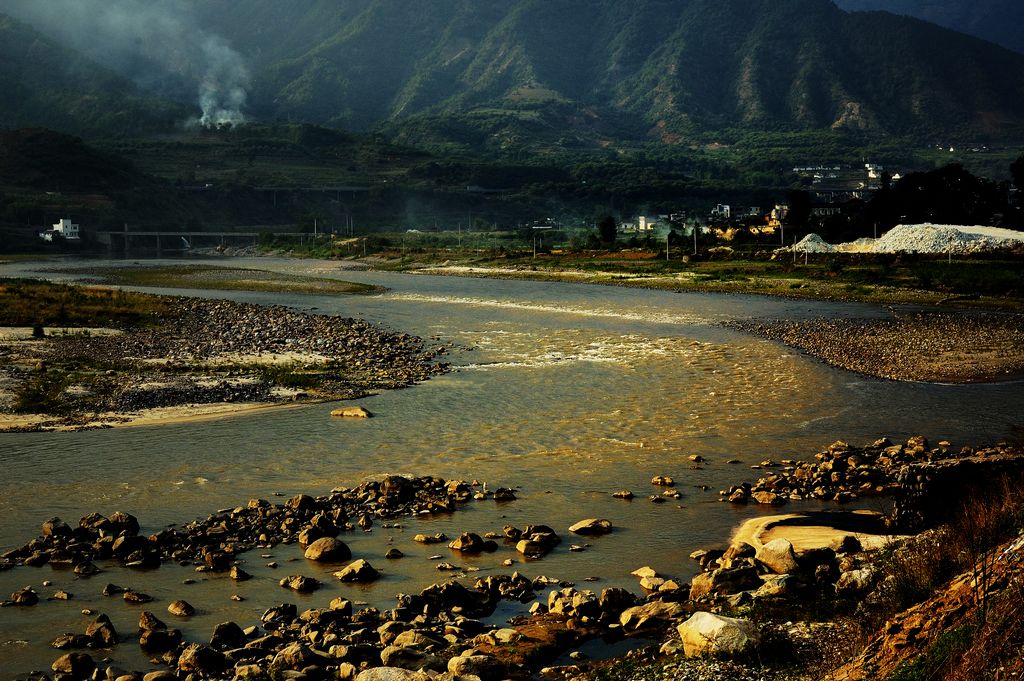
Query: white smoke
x,y
224,86
160,45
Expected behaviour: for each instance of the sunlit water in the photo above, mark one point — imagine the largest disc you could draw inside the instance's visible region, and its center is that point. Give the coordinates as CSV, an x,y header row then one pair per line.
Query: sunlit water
x,y
566,392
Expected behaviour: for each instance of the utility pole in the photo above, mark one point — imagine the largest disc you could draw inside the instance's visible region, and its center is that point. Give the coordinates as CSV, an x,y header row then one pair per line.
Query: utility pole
x,y
695,238
667,234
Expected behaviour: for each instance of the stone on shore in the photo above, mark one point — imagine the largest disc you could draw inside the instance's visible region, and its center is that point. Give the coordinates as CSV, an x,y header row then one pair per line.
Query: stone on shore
x,y
181,609
778,556
708,634
352,413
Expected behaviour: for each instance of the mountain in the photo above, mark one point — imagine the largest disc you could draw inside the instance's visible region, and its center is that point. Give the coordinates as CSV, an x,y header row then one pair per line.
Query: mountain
x,y
44,83
574,71
998,21
666,66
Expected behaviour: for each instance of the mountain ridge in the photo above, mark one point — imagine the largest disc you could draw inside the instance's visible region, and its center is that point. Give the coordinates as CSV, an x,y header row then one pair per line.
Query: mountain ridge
x,y
664,69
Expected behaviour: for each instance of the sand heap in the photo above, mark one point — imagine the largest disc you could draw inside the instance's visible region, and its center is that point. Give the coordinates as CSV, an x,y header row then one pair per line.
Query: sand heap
x,y
924,238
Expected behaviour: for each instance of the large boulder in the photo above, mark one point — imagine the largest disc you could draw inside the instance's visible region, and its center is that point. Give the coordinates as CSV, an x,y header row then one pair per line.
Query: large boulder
x,y
778,556
708,634
328,550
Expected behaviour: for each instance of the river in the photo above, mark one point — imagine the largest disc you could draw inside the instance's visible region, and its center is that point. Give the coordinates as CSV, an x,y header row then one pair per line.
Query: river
x,y
565,392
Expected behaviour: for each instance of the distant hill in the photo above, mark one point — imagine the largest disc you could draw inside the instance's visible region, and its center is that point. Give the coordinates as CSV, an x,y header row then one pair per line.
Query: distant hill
x,y
998,21
574,71
46,84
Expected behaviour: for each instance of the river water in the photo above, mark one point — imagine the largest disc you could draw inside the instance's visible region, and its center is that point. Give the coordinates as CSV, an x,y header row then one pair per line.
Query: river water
x,y
566,392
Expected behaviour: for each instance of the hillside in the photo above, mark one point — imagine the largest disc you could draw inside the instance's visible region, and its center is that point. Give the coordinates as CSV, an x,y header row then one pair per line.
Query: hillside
x,y
997,21
576,71
45,84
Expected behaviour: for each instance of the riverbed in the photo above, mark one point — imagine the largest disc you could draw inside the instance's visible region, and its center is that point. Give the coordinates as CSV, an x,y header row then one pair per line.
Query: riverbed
x,y
565,392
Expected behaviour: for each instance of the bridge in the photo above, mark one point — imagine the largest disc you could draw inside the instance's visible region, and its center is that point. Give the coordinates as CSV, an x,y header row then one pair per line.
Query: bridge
x,y
169,242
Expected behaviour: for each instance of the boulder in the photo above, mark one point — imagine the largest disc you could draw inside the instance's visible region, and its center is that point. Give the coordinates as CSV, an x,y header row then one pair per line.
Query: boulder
x,y
467,542
708,634
181,609
227,635
328,550
357,571
724,581
101,632
391,674
592,526
417,639
55,527
472,663
410,658
74,665
25,596
655,613
296,656
158,641
300,583
352,413
150,622
854,582
778,556
779,586
201,659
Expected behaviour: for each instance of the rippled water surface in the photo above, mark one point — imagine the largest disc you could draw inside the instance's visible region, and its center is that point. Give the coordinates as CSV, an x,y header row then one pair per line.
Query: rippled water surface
x,y
566,392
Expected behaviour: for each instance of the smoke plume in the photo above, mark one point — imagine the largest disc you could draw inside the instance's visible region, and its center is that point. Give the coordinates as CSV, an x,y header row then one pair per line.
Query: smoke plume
x,y
160,45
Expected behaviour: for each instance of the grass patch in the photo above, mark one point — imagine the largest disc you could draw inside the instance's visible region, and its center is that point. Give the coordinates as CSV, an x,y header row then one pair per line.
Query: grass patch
x,y
29,302
227,278
43,393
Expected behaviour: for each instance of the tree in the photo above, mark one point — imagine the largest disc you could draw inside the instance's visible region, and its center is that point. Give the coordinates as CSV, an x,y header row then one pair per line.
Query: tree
x,y
1017,173
606,230
799,208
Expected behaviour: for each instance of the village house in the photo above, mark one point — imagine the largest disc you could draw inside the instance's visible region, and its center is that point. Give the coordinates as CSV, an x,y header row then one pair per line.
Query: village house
x,y
65,228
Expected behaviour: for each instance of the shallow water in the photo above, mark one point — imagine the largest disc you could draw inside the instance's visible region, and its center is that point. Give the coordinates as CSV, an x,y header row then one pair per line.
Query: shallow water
x,y
567,392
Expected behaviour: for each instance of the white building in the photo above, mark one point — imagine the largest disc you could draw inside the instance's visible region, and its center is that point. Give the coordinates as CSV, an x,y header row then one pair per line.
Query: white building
x,y
64,228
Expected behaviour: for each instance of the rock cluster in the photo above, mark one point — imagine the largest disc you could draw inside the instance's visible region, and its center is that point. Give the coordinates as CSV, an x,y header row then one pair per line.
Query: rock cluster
x,y
841,472
215,542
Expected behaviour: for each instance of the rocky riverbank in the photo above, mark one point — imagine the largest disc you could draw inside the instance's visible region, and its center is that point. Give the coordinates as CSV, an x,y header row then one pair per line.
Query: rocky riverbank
x,y
937,347
201,352
763,608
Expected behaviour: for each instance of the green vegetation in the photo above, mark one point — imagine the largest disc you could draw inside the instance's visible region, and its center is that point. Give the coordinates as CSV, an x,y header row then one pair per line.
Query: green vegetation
x,y
950,646
31,302
226,278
